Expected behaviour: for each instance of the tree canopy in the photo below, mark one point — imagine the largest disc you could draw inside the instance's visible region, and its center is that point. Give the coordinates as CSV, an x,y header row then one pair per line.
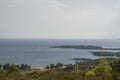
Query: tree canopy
x,y
103,67
116,65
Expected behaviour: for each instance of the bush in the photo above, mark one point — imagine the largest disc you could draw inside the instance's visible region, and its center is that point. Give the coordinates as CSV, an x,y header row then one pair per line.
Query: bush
x,y
13,71
2,74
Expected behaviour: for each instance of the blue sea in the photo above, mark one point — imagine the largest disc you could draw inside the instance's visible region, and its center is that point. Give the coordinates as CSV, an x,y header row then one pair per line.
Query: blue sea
x,y
37,52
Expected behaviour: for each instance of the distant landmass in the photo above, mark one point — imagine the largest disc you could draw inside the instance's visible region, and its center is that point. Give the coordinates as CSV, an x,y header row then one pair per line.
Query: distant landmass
x,y
91,47
106,53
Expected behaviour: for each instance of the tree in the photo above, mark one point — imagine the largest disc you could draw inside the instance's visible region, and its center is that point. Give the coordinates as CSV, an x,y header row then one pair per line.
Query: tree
x,y
29,67
69,67
52,66
59,65
103,67
116,65
13,70
24,66
90,75
47,67
0,66
6,66
76,68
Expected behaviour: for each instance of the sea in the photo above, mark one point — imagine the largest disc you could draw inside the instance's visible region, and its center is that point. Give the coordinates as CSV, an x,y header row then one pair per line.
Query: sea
x,y
37,52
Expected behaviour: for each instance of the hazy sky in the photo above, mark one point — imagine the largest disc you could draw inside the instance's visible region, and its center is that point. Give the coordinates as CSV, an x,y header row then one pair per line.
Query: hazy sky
x,y
60,19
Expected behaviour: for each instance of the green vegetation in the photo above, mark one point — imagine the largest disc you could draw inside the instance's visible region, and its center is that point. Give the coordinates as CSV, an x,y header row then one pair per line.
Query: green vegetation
x,y
76,68
104,70
116,65
103,67
21,67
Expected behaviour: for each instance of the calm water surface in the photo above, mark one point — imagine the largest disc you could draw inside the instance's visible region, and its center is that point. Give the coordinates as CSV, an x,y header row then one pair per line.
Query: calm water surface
x,y
37,52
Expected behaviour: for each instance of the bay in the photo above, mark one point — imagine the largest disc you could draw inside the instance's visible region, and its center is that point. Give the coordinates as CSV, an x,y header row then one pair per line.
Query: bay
x,y
37,52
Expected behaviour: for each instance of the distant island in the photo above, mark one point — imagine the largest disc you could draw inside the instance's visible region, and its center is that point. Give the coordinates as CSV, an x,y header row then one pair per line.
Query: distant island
x,y
106,53
90,47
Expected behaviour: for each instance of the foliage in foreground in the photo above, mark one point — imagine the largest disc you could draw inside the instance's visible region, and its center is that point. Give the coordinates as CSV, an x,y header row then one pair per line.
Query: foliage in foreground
x,y
103,71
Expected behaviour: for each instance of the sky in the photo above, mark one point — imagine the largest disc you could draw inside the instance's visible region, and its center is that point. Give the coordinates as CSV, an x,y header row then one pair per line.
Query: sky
x,y
75,19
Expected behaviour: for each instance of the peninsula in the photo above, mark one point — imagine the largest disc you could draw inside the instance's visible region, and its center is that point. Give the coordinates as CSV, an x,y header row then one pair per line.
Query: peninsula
x,y
89,47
